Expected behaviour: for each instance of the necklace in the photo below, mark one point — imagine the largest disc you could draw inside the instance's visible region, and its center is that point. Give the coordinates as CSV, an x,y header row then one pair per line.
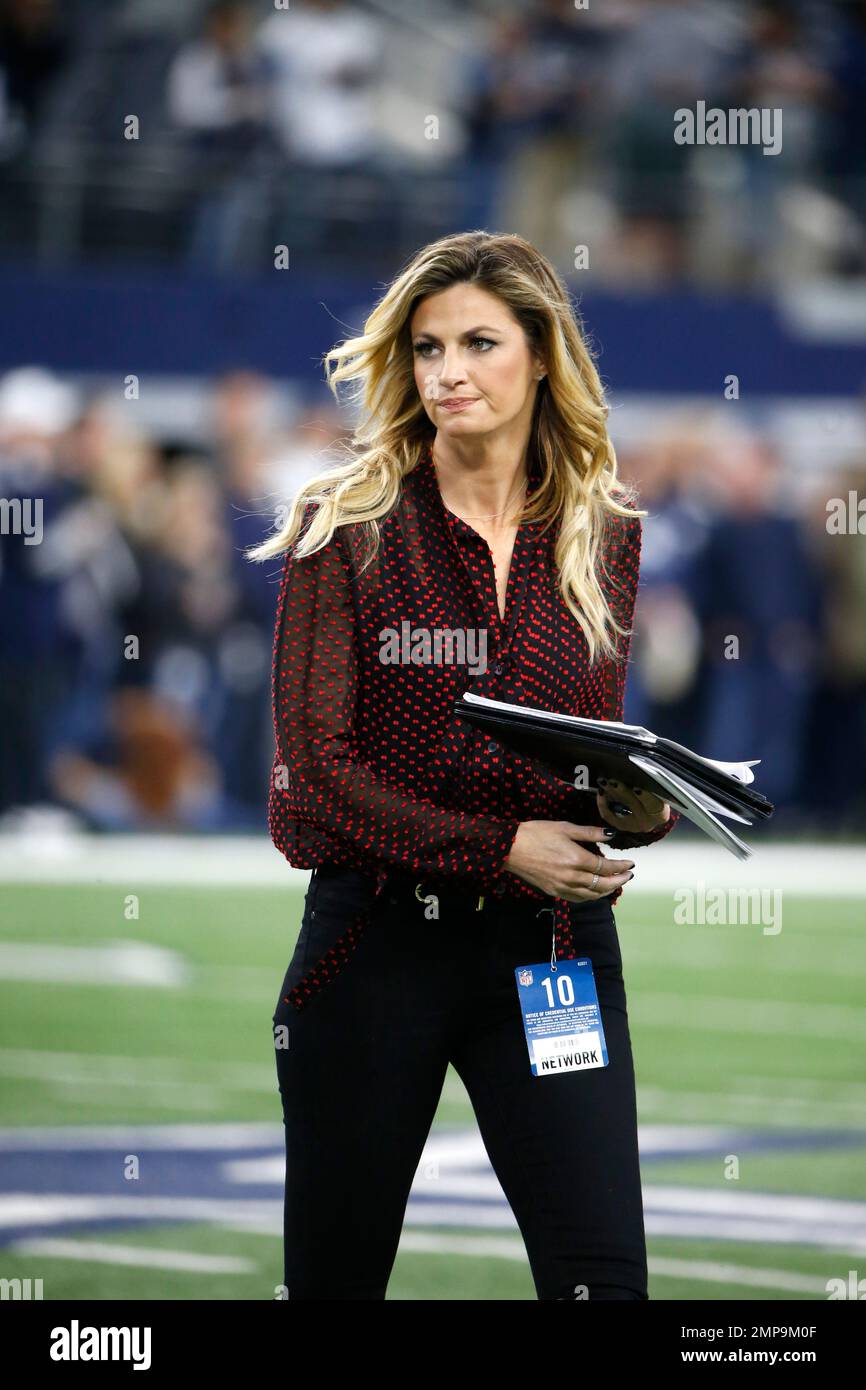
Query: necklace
x,y
490,516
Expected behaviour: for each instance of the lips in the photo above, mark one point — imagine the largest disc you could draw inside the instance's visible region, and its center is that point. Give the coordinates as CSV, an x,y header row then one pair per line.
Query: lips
x,y
457,402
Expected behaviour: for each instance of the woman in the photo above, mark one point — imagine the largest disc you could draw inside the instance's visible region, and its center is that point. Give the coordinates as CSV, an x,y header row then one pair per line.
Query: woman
x,y
477,539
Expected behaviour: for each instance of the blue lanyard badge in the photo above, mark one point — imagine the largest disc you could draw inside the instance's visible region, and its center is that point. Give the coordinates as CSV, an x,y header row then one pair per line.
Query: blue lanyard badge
x,y
561,1017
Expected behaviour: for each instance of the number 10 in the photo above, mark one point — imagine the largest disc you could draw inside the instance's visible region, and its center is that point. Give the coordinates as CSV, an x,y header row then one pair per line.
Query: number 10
x,y
564,989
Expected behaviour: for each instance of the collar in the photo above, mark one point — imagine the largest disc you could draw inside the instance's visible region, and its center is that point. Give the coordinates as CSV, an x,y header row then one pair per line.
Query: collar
x,y
462,538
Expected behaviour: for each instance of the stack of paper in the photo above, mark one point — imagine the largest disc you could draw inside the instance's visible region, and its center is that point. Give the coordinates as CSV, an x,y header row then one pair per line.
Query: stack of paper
x,y
703,789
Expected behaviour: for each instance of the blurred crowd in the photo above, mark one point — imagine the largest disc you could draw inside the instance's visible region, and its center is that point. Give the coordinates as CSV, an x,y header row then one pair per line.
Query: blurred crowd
x,y
351,132
136,638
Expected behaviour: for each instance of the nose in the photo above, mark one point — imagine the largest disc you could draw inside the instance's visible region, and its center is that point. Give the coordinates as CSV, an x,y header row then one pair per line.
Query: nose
x,y
453,371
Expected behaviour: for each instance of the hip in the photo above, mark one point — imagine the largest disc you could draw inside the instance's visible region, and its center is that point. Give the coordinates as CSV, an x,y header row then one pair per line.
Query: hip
x,y
413,931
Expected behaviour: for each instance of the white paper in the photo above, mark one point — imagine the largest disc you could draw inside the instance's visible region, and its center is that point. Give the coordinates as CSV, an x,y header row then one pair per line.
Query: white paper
x,y
575,720
688,800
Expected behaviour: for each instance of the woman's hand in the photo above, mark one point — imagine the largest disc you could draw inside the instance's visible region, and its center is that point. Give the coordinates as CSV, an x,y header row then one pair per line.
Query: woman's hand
x,y
642,810
546,854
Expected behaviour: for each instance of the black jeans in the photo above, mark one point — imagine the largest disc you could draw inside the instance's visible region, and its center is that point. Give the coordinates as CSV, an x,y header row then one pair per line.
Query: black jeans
x,y
362,1072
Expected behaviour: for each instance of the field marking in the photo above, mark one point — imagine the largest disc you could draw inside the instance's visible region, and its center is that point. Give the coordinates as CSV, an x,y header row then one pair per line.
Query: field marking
x,y
70,1208
668,1224
204,1103
783,1205
746,1276
709,1013
115,962
134,1138
455,1145
252,861
126,962
198,1085
454,1187
167,1073
500,1247
411,1242
707,1271
797,1111
856,1089
131,1256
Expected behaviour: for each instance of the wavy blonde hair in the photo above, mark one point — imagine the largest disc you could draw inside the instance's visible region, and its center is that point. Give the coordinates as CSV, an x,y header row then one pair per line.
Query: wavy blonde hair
x,y
569,442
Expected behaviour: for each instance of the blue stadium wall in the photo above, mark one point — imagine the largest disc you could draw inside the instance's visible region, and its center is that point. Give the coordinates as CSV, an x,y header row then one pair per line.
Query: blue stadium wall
x,y
670,343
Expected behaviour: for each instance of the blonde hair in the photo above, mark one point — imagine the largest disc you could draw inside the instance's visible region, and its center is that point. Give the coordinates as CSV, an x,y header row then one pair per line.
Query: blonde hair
x,y
569,442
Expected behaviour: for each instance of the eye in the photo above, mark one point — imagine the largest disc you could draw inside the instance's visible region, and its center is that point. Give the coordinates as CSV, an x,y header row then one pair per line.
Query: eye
x,y
477,344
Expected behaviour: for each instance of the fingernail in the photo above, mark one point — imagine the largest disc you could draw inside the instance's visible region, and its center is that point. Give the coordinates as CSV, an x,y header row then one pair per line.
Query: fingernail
x,y
608,833
619,809
630,877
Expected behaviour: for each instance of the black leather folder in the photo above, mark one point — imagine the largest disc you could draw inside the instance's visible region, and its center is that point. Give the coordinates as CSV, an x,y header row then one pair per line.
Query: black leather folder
x,y
700,788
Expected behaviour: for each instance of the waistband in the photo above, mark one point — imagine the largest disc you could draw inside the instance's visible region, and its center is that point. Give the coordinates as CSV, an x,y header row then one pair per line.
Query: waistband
x,y
401,885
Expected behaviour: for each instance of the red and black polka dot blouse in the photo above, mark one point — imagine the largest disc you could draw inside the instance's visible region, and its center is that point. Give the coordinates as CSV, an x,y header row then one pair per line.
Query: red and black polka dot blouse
x,y
372,769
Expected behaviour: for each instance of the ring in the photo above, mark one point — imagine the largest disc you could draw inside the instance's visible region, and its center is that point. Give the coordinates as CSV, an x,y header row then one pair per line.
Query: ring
x,y
595,877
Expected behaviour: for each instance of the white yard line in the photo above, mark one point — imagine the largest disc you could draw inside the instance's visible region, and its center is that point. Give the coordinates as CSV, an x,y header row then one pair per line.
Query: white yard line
x,y
411,1242
813,1112
129,860
191,1084
132,1256
70,1208
705,1271
744,1275
240,861
134,1138
108,963
162,1073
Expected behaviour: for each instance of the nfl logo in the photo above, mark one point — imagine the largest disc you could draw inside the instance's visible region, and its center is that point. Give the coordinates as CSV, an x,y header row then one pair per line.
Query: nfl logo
x,y
525,977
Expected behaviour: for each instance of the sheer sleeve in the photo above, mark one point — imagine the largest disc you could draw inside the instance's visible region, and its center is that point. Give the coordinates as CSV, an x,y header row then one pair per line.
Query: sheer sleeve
x,y
328,786
621,585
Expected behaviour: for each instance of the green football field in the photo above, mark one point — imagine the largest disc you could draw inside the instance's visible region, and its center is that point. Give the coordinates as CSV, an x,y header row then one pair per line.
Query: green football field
x,y
750,1049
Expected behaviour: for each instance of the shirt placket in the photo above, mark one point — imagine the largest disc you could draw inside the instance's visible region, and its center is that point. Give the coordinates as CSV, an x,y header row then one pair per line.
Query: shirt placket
x,y
516,592
525,549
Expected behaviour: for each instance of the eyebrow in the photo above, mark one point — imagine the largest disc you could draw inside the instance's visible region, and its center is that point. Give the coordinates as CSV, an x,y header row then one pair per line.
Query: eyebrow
x,y
470,332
